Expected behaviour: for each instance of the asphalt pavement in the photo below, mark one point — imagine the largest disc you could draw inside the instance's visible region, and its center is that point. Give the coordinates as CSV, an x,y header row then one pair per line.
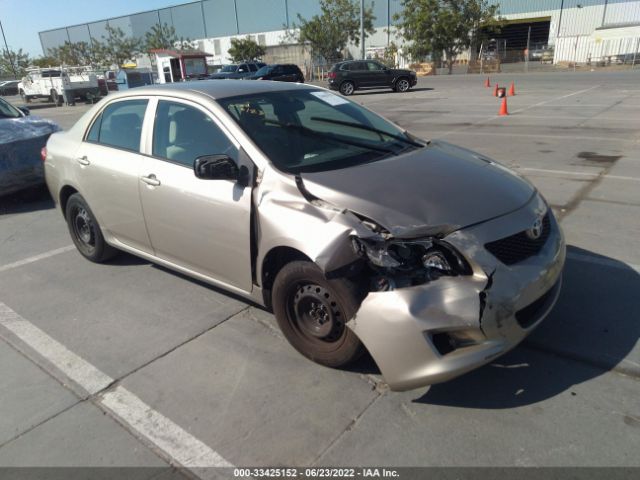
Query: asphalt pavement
x,y
131,365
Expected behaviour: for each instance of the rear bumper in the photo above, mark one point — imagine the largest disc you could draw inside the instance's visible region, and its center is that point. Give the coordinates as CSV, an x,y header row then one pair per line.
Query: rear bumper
x,y
487,313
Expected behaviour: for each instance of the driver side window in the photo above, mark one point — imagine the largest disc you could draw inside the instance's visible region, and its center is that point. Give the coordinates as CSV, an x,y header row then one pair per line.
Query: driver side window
x,y
182,133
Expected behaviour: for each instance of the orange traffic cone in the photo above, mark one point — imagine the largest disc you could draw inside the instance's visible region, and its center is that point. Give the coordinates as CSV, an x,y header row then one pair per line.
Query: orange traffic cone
x,y
512,90
487,83
503,107
495,91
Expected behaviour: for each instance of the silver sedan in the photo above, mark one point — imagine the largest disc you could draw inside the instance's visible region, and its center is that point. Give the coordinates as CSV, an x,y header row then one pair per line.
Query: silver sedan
x,y
357,234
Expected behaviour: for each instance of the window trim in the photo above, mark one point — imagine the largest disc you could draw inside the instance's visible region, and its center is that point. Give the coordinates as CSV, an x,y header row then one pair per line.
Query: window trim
x,y
99,116
151,112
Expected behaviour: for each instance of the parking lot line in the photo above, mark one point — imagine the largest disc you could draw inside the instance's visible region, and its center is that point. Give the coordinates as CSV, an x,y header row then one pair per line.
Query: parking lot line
x,y
579,174
35,258
179,446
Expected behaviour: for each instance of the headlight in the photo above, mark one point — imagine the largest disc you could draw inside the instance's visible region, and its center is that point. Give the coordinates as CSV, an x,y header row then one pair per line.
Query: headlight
x,y
431,256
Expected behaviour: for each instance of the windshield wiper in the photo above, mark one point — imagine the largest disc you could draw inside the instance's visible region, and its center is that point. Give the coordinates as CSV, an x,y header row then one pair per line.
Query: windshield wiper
x,y
329,136
370,129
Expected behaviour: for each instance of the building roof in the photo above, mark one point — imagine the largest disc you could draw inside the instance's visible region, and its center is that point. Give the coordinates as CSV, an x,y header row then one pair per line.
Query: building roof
x,y
181,53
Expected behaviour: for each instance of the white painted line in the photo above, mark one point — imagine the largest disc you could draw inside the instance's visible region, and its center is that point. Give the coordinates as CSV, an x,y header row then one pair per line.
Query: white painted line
x,y
555,99
35,258
181,448
580,174
606,262
83,373
533,135
180,445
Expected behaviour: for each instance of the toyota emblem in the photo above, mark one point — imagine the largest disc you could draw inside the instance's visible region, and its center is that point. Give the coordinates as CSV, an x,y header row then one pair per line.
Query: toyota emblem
x,y
535,231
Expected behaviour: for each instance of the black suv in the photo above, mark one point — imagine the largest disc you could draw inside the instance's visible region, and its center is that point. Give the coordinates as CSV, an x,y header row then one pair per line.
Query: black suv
x,y
238,70
279,72
352,75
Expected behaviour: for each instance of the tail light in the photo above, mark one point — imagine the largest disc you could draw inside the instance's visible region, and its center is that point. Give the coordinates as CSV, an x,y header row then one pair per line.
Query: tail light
x,y
43,153
332,75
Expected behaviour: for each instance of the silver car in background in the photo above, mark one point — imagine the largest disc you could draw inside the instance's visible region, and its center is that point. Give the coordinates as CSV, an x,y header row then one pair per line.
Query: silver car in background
x,y
354,232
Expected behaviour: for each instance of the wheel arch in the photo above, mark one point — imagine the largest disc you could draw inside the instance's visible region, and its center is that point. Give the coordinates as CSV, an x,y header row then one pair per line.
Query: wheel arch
x,y
273,261
65,193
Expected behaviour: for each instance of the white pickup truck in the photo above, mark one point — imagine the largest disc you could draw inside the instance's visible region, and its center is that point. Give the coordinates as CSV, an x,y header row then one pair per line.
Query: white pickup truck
x,y
59,84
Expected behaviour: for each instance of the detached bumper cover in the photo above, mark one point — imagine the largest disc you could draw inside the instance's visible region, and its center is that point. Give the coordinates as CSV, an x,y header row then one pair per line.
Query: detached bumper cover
x,y
497,306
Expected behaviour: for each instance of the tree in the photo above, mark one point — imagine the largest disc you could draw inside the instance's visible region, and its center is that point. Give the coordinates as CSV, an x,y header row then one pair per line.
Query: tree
x,y
246,49
13,63
434,27
45,61
77,53
329,33
116,47
159,37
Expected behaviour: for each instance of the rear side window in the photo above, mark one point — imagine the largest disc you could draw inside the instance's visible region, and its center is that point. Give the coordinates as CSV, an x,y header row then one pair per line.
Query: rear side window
x,y
119,125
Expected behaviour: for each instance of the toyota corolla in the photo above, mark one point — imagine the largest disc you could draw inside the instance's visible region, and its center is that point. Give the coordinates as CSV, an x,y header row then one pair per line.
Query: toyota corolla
x,y
357,234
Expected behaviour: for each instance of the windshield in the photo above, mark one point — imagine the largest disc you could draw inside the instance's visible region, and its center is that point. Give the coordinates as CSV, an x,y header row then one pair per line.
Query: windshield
x,y
315,130
229,68
264,70
8,111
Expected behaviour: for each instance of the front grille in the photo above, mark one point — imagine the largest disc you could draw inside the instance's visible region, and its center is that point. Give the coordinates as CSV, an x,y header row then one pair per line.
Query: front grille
x,y
518,247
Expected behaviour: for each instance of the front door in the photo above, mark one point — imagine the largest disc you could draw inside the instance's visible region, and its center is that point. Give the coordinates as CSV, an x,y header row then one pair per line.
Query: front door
x,y
378,75
202,225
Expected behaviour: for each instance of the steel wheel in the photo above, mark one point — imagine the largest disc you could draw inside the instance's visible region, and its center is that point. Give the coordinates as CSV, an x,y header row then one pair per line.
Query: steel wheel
x,y
402,85
314,314
347,88
84,229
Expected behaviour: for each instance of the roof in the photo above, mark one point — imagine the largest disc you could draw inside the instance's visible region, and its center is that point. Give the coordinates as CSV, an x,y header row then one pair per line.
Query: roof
x,y
216,89
181,53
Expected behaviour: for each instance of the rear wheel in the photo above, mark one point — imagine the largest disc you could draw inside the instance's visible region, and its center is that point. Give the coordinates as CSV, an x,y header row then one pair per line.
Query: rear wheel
x,y
347,88
402,85
85,231
312,313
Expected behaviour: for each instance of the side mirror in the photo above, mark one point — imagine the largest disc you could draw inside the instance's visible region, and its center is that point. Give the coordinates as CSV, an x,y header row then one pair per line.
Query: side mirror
x,y
25,110
216,167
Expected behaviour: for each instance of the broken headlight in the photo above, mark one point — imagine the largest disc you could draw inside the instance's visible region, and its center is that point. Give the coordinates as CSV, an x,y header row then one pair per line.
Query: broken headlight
x,y
402,263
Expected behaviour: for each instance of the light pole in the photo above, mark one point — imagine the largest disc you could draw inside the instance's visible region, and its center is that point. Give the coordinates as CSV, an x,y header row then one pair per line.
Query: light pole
x,y
13,67
362,28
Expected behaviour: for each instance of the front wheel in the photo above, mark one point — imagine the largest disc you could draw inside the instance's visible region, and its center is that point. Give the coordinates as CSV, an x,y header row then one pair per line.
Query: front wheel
x,y
25,98
347,88
402,85
312,313
85,231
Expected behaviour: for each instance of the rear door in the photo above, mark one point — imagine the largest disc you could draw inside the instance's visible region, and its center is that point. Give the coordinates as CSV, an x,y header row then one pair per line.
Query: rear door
x,y
378,75
108,165
201,225
359,73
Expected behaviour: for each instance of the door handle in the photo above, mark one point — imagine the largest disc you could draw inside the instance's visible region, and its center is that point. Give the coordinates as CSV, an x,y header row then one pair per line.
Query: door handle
x,y
151,180
83,160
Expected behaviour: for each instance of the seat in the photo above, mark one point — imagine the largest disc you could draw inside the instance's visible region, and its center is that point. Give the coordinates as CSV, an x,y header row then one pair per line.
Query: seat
x,y
191,135
124,131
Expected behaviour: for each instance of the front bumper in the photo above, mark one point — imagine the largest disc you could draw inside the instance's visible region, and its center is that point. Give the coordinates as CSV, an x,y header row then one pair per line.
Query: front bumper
x,y
494,309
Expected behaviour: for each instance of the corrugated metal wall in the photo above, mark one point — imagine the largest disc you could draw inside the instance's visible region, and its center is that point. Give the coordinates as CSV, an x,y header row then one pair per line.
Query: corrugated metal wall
x,y
222,18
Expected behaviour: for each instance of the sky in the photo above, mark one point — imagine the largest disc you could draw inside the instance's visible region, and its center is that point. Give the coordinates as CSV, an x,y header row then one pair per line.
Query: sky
x,y
23,19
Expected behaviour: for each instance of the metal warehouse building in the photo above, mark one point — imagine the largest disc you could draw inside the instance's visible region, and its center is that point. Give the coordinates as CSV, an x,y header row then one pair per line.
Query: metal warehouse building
x,y
580,30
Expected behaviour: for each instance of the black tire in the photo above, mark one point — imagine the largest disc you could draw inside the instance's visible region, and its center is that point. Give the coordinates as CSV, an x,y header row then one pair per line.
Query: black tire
x,y
347,88
402,85
85,231
25,98
312,313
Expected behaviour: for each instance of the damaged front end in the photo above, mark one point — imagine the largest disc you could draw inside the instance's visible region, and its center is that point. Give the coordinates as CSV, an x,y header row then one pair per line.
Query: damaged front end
x,y
441,314
435,302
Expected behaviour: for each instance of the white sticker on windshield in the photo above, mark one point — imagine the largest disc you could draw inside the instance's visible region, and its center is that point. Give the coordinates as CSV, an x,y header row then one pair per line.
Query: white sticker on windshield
x,y
330,98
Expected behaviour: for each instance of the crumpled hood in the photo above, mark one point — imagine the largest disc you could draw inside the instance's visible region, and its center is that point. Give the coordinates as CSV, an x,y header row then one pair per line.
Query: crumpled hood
x,y
437,189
